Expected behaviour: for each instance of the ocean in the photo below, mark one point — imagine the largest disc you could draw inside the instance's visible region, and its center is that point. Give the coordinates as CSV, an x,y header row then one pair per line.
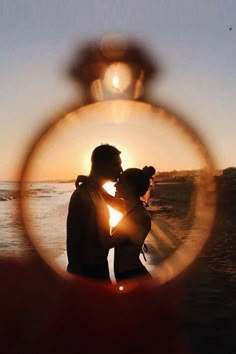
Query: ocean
x,y
209,313
45,214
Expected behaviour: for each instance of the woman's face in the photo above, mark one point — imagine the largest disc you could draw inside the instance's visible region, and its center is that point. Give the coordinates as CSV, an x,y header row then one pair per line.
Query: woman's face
x,y
122,187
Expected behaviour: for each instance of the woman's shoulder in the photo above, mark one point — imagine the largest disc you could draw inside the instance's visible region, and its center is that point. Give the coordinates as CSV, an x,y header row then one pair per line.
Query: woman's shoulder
x,y
141,211
142,217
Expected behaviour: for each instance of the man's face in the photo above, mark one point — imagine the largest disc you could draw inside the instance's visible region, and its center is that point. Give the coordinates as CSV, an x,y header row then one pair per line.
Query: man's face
x,y
114,169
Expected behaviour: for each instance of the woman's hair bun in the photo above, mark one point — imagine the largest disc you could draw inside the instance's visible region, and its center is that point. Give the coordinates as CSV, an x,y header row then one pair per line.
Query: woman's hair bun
x,y
149,171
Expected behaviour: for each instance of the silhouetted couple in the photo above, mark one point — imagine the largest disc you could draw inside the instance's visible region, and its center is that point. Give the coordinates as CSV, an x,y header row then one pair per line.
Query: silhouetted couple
x,y
88,230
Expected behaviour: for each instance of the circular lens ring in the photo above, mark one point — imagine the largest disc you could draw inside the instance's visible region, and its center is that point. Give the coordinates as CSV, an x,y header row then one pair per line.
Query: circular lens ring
x,y
205,204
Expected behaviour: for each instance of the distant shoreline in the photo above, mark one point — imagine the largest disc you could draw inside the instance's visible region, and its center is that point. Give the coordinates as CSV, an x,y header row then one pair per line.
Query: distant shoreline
x,y
163,176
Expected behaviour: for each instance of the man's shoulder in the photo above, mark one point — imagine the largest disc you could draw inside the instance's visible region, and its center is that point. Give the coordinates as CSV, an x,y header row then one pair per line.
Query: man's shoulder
x,y
80,194
81,189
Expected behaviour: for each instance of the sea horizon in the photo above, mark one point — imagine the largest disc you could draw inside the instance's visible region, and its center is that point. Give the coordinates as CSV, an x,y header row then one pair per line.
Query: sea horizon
x,y
217,171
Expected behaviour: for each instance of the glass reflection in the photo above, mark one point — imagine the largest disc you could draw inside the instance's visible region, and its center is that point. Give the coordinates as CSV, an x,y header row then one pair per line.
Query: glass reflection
x,y
181,202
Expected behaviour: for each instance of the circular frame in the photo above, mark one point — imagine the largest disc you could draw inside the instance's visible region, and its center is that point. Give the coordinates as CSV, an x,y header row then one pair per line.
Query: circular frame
x,y
205,203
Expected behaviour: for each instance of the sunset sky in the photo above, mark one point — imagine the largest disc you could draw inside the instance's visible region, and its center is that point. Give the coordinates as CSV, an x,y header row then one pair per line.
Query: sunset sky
x,y
193,42
144,135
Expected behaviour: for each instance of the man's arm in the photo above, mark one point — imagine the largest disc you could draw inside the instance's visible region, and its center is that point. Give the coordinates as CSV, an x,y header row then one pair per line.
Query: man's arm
x,y
76,230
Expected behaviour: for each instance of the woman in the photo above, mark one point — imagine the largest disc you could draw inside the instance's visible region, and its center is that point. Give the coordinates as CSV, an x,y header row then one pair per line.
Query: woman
x,y
133,227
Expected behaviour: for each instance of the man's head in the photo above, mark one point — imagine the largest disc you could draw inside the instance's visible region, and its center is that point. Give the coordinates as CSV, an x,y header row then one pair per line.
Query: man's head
x,y
106,162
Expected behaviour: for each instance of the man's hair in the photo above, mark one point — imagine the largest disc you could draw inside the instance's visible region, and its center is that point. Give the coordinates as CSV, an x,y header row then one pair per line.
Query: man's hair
x,y
103,154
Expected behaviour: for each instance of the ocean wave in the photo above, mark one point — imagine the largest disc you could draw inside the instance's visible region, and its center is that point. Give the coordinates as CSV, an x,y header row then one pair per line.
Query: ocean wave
x,y
6,195
39,192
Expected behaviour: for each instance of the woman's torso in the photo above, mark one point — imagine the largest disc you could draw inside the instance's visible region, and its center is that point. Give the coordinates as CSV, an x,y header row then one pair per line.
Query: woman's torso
x,y
127,254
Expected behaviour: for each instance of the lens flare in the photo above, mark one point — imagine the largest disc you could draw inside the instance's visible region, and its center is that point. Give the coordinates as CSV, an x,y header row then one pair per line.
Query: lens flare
x,y
115,216
117,77
116,81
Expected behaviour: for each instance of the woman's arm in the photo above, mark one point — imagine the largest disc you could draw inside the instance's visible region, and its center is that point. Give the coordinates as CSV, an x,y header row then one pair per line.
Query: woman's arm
x,y
114,202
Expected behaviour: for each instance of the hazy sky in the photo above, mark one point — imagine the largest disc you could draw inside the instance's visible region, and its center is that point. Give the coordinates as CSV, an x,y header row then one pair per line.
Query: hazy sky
x,y
192,41
145,136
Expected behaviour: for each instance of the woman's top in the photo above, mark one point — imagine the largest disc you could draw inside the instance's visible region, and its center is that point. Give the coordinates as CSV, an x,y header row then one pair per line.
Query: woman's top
x,y
134,227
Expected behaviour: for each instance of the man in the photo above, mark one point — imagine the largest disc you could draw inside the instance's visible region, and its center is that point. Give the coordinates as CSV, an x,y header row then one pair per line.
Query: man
x,y
88,217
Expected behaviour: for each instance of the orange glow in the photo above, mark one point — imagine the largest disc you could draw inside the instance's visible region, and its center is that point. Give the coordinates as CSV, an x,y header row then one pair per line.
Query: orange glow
x,y
116,81
115,215
144,135
117,77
